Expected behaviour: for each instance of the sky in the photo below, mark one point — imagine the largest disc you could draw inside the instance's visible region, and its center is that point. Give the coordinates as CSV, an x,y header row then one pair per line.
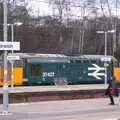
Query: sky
x,y
42,8
39,7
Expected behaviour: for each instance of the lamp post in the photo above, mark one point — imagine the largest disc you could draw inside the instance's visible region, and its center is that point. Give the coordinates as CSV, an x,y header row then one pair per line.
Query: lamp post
x,y
12,39
5,86
105,51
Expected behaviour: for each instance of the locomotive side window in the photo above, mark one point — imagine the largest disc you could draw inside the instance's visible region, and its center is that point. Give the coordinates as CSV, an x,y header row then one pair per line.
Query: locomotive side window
x,y
35,70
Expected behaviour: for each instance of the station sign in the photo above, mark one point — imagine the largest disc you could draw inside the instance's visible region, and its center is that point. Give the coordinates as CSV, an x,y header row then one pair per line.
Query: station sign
x,y
11,58
106,59
10,46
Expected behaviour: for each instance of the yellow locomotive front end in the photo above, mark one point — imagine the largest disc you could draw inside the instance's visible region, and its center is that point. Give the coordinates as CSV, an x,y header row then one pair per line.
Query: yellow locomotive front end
x,y
17,73
117,73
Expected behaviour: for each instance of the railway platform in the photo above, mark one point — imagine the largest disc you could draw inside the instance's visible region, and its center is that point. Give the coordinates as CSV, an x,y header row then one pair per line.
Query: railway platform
x,y
24,94
84,109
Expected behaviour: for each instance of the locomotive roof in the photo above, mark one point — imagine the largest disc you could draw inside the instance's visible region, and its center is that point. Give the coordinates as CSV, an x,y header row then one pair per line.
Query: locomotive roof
x,y
44,60
36,55
60,57
92,57
47,58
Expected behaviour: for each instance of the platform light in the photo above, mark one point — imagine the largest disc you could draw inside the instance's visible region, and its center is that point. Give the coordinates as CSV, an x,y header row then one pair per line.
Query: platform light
x,y
105,50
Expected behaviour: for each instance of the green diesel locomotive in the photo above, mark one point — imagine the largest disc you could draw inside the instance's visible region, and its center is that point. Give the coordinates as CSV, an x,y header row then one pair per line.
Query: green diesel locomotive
x,y
58,69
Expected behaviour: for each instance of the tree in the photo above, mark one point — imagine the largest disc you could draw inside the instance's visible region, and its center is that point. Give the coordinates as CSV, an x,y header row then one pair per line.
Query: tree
x,y
62,7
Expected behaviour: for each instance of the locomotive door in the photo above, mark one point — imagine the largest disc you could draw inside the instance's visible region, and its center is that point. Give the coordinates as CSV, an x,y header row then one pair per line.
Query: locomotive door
x,y
61,78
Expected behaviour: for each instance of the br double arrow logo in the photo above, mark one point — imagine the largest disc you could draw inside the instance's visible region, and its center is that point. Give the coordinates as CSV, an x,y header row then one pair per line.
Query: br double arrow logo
x,y
96,71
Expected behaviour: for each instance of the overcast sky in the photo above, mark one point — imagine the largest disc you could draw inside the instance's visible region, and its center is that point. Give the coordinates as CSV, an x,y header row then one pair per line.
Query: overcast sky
x,y
41,7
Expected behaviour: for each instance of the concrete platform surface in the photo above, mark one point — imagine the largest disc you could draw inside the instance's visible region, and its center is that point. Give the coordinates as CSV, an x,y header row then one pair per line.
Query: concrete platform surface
x,y
88,109
22,89
49,93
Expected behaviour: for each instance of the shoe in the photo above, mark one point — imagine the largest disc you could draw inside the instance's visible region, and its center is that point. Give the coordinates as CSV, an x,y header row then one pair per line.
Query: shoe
x,y
112,104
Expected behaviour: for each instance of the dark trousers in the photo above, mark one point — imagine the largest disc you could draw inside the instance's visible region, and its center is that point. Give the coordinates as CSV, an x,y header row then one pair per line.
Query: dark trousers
x,y
111,99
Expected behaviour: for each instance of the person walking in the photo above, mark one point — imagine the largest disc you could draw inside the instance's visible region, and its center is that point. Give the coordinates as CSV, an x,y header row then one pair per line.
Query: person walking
x,y
111,91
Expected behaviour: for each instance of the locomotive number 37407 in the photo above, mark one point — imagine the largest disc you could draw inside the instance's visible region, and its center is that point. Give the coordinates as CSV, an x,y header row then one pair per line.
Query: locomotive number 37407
x,y
48,74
